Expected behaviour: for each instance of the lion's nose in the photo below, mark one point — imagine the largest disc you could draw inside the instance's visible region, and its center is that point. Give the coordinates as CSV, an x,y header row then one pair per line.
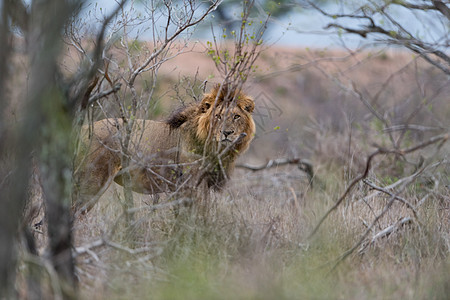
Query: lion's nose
x,y
226,133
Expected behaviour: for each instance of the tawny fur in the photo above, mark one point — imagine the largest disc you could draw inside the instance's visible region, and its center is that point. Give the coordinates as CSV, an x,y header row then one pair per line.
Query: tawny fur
x,y
166,155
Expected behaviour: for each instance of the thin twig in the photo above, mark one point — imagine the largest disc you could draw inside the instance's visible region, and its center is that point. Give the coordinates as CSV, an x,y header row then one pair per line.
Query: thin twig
x,y
100,95
168,40
386,191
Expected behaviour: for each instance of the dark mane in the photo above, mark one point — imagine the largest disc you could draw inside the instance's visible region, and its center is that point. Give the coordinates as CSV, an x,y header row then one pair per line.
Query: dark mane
x,y
179,116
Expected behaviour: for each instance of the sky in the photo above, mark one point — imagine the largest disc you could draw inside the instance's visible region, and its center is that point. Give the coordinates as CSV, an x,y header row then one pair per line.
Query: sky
x,y
306,29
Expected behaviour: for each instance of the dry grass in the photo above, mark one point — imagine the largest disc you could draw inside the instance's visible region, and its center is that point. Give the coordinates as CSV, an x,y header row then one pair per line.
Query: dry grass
x,y
251,241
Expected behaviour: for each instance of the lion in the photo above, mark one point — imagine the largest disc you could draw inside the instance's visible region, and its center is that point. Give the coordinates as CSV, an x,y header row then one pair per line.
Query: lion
x,y
197,143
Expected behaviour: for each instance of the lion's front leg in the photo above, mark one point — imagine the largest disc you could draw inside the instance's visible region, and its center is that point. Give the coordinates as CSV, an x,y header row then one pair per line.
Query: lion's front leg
x,y
93,178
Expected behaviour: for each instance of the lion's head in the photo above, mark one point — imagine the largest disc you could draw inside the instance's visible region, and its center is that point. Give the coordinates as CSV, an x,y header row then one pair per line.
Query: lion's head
x,y
219,119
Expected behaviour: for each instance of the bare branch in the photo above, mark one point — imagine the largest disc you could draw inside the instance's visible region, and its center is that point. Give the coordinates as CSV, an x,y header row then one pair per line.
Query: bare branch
x,y
386,191
303,164
433,140
386,232
347,191
437,5
399,35
88,247
168,40
106,93
366,233
412,127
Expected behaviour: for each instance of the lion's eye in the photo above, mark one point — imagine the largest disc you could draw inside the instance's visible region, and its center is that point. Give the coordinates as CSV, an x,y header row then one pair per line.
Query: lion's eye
x,y
236,117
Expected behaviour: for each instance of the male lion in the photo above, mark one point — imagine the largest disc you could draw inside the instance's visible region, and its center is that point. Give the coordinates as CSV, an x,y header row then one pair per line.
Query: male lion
x,y
199,142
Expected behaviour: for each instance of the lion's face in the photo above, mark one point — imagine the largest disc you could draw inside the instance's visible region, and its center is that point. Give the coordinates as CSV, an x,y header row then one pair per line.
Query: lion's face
x,y
223,121
230,123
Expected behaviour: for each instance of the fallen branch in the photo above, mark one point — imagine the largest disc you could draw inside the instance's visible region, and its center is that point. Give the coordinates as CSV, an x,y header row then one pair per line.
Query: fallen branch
x,y
87,249
303,164
386,232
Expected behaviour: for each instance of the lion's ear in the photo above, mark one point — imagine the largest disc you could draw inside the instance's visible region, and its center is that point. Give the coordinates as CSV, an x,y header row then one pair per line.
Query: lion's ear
x,y
247,104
